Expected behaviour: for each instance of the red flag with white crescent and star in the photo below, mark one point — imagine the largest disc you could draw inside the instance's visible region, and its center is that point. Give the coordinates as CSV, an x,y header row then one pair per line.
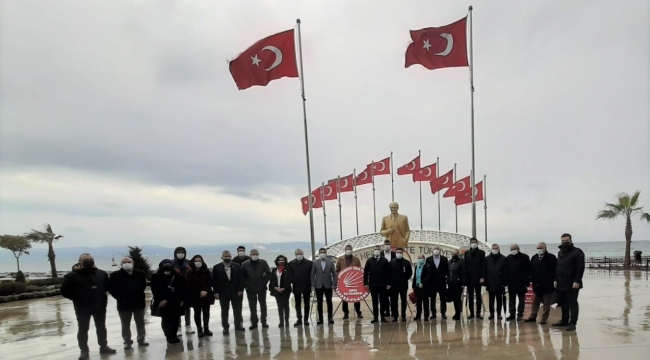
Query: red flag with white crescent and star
x,y
461,187
316,201
466,198
427,173
409,168
346,184
382,167
444,182
269,59
364,177
329,191
439,47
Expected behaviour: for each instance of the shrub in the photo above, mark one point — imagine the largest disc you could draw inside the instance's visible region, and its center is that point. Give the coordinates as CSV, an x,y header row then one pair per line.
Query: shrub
x,y
33,288
20,277
12,288
46,282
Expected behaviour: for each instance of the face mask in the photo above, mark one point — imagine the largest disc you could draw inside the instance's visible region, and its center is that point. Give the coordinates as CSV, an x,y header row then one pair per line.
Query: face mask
x,y
255,257
180,256
540,252
299,257
495,252
455,257
242,253
322,256
348,252
514,252
420,261
436,252
387,247
399,255
376,253
227,260
198,264
127,266
88,263
566,245
473,245
167,272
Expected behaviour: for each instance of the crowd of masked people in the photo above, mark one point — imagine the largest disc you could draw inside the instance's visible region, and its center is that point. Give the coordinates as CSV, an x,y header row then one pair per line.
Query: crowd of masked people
x,y
185,285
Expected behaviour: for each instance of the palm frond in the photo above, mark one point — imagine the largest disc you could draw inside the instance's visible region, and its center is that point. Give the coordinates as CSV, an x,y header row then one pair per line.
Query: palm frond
x,y
615,207
623,200
38,236
608,214
48,229
646,217
635,198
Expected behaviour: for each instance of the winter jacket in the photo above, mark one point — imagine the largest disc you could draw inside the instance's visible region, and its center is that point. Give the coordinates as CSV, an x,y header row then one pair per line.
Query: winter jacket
x,y
197,281
474,261
128,289
496,272
456,272
401,271
542,273
170,288
86,288
256,276
227,288
301,276
376,273
570,268
518,272
438,275
285,283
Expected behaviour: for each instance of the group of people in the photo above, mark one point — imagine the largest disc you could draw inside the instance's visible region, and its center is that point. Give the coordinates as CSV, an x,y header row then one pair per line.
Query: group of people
x,y
181,285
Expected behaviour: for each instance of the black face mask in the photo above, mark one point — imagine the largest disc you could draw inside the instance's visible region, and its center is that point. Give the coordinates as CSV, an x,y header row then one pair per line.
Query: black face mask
x,y
227,260
88,263
455,257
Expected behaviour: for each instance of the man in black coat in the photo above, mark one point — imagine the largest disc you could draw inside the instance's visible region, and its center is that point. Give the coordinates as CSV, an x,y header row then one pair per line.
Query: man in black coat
x,y
86,286
387,253
542,273
439,270
518,281
127,286
456,281
474,261
496,276
568,281
228,286
401,271
300,273
376,278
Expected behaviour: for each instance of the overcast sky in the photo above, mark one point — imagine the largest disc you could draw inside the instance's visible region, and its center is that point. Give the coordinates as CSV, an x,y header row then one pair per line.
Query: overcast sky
x,y
121,124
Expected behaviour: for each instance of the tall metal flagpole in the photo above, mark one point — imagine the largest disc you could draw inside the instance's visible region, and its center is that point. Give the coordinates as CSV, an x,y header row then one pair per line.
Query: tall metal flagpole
x,y
420,193
485,203
374,207
304,113
438,175
471,87
456,206
338,190
322,196
356,205
392,179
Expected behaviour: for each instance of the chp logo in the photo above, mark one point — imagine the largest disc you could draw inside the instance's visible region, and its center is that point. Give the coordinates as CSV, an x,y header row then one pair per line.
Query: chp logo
x,y
350,285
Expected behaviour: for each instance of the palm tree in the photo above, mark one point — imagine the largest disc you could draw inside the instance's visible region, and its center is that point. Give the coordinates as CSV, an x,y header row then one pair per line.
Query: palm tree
x,y
48,236
626,206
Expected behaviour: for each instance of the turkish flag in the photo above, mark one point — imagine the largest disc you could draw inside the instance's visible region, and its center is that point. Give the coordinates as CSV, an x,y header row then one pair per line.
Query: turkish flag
x,y
346,183
409,168
439,47
364,177
271,58
329,191
444,182
461,187
466,198
316,201
427,173
381,167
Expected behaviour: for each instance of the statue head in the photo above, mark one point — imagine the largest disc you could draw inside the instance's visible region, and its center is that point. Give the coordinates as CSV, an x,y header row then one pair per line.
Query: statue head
x,y
393,207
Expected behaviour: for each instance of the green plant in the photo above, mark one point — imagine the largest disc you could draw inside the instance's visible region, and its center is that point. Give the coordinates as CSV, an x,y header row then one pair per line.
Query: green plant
x,y
11,288
46,237
33,288
45,282
18,245
139,261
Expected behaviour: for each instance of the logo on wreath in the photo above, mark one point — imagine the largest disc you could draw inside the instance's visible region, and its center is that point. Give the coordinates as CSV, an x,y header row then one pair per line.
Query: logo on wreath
x,y
350,285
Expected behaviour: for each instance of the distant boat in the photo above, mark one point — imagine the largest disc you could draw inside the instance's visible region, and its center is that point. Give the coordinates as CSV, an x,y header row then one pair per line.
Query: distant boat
x,y
114,263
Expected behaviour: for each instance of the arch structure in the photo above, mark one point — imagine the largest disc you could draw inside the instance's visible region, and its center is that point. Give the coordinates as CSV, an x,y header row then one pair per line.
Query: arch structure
x,y
418,237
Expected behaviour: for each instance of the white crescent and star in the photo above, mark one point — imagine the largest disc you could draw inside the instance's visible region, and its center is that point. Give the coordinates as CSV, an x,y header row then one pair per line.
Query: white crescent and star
x,y
383,166
446,180
345,182
313,200
278,58
463,186
450,44
328,191
363,176
426,169
409,167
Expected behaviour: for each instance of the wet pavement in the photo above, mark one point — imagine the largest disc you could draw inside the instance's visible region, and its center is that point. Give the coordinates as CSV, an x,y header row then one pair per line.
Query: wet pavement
x,y
614,323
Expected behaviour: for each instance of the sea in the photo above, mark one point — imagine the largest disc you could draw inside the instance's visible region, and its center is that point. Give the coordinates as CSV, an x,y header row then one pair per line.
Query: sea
x,y
40,264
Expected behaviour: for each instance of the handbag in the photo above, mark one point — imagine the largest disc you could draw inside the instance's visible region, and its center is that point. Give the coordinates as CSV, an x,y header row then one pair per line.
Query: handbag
x,y
155,310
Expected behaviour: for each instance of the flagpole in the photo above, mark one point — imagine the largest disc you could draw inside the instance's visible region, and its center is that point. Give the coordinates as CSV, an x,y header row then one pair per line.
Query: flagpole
x,y
356,206
392,179
471,87
338,190
419,154
322,196
456,206
438,175
374,206
485,203
304,113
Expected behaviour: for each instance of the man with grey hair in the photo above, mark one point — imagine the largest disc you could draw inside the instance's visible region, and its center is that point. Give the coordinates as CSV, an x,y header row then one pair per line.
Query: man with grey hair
x,y
496,279
257,274
518,281
301,284
542,273
127,286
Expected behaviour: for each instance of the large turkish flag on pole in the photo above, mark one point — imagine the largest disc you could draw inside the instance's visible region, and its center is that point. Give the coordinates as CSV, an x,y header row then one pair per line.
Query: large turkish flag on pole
x,y
461,187
316,201
410,168
462,199
439,47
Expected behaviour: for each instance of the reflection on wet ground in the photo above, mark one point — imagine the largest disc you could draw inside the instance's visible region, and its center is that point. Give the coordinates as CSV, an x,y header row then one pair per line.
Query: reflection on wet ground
x,y
614,323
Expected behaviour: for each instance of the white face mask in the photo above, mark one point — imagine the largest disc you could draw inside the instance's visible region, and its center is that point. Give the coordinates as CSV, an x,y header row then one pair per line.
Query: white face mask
x,y
127,266
473,245
348,252
514,252
299,257
198,264
180,256
323,256
399,255
255,257
242,253
387,247
436,252
377,253
167,272
494,252
540,252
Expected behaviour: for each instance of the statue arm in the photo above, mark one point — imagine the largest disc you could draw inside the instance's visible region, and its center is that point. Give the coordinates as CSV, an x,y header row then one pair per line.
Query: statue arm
x,y
407,231
384,231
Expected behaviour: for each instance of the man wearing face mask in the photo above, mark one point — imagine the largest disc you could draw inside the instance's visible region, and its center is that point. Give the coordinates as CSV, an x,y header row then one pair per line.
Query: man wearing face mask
x,y
241,256
341,264
376,278
324,280
496,273
300,270
127,286
568,281
420,280
401,271
439,270
475,277
181,265
542,272
86,286
456,281
518,281
257,274
228,287
389,255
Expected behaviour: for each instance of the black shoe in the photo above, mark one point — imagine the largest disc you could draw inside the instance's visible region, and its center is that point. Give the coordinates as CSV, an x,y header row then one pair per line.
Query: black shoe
x,y
571,327
265,326
394,319
207,332
107,350
143,343
543,322
384,320
560,324
404,318
470,317
330,321
252,327
433,317
444,316
174,341
128,346
480,317
306,323
359,315
417,318
298,323
500,317
519,318
241,328
511,317
531,320
84,355
374,321
346,316
200,333
319,322
281,325
491,317
455,317
225,331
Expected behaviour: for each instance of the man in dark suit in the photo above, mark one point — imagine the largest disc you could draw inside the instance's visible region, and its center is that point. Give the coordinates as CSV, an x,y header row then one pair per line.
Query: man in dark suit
x,y
376,278
439,271
542,273
518,281
300,272
568,281
474,261
388,254
324,279
401,271
228,285
496,273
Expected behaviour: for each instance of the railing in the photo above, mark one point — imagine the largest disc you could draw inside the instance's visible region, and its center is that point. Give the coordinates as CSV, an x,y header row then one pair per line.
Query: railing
x,y
616,263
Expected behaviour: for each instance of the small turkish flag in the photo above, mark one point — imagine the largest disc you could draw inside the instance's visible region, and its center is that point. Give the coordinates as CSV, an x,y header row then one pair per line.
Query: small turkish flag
x,y
271,58
346,183
461,187
427,173
439,47
410,168
316,201
329,191
444,182
466,198
364,177
381,167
